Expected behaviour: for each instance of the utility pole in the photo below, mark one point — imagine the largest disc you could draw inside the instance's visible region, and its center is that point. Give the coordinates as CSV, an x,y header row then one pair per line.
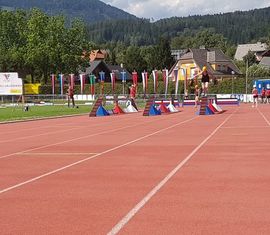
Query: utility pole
x,y
246,79
232,80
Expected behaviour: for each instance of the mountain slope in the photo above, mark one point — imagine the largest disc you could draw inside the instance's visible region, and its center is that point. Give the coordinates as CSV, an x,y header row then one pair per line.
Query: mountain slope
x,y
237,27
88,10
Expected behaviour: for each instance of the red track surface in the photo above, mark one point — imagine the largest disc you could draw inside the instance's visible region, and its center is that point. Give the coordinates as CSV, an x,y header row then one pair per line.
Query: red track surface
x,y
129,174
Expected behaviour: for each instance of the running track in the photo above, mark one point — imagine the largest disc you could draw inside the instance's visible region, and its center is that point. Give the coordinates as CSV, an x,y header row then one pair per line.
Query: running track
x,y
129,174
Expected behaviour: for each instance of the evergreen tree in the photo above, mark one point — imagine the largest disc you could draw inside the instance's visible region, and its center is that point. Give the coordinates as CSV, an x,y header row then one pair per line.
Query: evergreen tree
x,y
250,58
164,58
133,60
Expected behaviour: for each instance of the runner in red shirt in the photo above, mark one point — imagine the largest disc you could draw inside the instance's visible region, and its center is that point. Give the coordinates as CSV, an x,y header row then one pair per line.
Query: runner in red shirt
x,y
70,94
267,94
263,95
255,96
132,95
132,92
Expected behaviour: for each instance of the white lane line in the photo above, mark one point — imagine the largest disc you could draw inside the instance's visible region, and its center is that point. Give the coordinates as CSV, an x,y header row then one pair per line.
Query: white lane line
x,y
62,142
244,127
75,139
48,133
55,154
95,156
263,117
37,135
156,189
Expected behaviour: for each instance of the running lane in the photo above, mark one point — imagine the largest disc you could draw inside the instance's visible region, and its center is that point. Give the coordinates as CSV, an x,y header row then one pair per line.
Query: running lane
x,y
90,197
57,151
223,189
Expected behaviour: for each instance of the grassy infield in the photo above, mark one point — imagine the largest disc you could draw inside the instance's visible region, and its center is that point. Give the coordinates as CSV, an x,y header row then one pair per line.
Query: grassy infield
x,y
17,113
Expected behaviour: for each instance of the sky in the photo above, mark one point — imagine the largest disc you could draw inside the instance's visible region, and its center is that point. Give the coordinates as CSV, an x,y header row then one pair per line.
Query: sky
x,y
158,9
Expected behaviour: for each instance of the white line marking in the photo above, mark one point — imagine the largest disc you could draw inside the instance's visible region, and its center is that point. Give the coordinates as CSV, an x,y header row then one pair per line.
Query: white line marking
x,y
155,190
75,139
48,133
95,156
32,136
244,127
61,154
264,117
62,142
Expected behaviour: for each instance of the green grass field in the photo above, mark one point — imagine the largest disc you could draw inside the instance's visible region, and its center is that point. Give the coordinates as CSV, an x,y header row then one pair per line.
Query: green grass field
x,y
17,113
35,112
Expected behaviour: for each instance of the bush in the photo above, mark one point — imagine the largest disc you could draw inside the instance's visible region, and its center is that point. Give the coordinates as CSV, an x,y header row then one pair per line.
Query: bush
x,y
228,86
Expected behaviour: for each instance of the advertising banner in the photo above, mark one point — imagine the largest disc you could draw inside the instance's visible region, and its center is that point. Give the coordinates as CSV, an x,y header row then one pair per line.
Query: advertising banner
x,y
10,84
31,89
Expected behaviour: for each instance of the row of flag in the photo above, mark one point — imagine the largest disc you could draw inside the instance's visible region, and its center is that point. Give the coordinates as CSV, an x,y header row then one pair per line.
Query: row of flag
x,y
71,81
92,81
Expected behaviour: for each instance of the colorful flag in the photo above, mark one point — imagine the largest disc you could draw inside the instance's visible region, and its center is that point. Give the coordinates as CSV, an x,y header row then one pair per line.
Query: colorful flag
x,y
145,81
176,78
61,82
135,78
113,81
184,74
53,83
72,81
155,78
102,79
102,76
124,79
165,76
124,76
82,81
92,80
195,75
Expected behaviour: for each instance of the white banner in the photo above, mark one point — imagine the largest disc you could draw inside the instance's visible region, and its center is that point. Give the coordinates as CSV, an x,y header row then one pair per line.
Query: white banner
x,y
10,84
239,97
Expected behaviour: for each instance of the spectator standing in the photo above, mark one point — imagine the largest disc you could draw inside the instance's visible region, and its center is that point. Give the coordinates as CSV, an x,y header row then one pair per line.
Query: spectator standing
x,y
263,95
255,97
197,94
70,94
267,94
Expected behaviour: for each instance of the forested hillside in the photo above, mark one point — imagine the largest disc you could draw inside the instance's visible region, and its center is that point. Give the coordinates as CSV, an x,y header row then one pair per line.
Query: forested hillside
x,y
110,24
237,27
88,10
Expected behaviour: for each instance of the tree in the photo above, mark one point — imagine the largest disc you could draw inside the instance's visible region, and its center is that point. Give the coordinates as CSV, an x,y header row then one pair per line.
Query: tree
x,y
134,60
179,42
257,70
250,58
164,58
120,51
209,39
111,48
74,44
230,51
148,53
36,44
12,40
55,44
36,56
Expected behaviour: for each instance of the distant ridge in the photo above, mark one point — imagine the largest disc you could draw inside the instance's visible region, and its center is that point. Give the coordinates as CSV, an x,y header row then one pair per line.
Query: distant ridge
x,y
88,10
236,27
